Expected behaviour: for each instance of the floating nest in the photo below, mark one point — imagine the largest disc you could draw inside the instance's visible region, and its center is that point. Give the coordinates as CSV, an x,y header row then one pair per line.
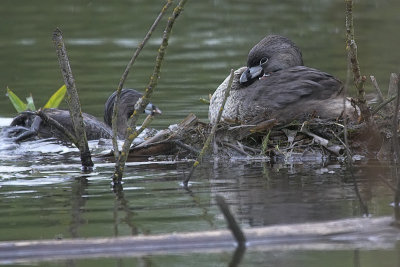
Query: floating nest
x,y
311,140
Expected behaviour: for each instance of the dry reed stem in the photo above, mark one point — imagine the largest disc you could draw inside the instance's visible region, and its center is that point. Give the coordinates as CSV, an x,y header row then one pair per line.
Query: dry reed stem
x,y
212,133
72,99
142,102
125,75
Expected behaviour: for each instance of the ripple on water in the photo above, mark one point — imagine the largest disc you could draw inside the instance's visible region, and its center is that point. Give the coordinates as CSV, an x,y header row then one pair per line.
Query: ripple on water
x,y
47,180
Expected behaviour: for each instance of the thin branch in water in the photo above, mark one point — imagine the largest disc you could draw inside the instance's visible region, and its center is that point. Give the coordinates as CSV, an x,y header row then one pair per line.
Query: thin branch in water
x,y
361,102
144,125
397,196
73,101
58,126
142,102
237,256
395,126
125,75
395,138
212,133
232,224
345,93
359,80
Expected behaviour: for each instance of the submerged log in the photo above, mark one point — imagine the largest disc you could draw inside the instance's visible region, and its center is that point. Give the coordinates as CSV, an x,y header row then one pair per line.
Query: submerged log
x,y
359,233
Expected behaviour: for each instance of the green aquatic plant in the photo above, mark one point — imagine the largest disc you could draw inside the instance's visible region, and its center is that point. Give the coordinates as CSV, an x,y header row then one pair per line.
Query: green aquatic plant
x,y
53,102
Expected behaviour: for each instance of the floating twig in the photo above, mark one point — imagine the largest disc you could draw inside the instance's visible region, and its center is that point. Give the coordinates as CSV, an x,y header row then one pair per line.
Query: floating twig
x,y
212,133
125,75
145,99
73,101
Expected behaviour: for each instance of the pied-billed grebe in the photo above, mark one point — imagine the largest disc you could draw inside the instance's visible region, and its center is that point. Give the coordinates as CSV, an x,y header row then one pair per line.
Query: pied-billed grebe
x,y
29,124
129,97
275,85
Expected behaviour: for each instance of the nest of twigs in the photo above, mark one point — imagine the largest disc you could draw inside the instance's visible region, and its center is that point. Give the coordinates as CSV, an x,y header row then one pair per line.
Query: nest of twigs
x,y
311,140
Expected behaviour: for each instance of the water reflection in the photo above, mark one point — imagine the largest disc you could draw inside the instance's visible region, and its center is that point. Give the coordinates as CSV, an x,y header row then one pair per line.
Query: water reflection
x,y
121,204
274,194
152,201
237,256
78,201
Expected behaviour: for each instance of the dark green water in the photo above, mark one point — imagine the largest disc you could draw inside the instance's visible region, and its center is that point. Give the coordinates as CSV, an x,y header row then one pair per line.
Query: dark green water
x,y
209,39
44,196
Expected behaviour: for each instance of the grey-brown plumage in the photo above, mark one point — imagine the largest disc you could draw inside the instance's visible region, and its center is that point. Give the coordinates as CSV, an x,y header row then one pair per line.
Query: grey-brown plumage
x,y
129,97
29,124
281,53
280,87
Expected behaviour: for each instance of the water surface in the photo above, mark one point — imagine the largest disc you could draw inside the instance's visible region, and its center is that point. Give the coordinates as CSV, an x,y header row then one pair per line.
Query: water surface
x,y
44,195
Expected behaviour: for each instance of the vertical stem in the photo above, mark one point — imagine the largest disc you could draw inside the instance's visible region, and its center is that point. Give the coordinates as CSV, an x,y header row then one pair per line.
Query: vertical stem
x,y
345,93
142,102
351,47
73,101
395,138
212,133
395,126
359,80
264,145
125,75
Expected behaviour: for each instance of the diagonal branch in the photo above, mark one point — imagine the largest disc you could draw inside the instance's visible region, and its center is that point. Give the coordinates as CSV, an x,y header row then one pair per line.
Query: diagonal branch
x,y
125,75
212,133
142,102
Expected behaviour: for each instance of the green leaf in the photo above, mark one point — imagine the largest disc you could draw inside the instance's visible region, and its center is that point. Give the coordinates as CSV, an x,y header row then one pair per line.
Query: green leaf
x,y
30,104
16,101
56,98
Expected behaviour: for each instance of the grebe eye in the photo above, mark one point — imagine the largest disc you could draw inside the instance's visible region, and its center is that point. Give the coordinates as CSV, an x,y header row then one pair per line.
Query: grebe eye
x,y
263,61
